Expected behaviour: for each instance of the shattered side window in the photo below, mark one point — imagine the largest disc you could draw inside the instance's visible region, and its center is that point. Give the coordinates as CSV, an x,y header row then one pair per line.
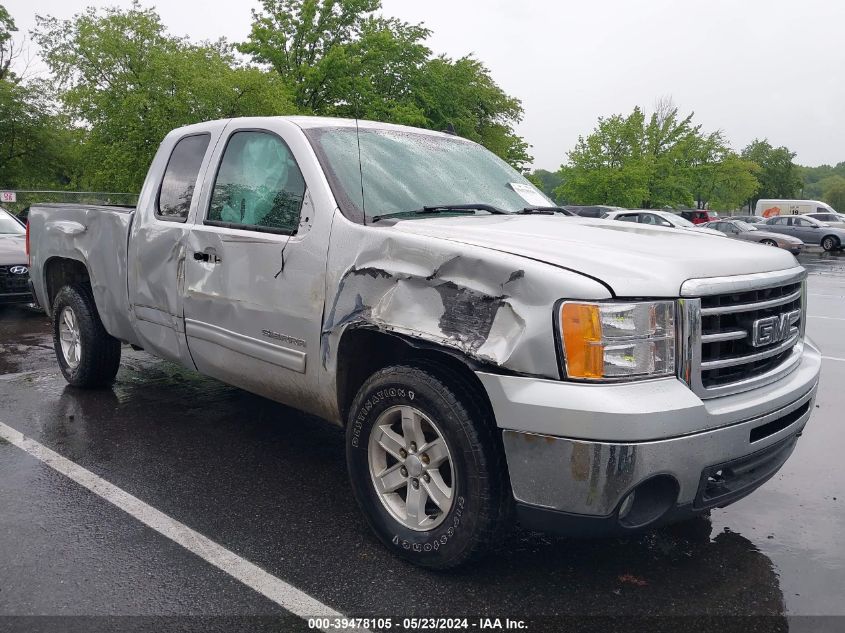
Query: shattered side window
x,y
180,177
259,185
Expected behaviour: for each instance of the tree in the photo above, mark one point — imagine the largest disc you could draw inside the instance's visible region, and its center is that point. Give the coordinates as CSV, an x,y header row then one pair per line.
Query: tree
x,y
342,60
307,42
37,142
125,82
462,94
608,166
664,159
8,52
720,179
779,175
834,192
547,182
815,178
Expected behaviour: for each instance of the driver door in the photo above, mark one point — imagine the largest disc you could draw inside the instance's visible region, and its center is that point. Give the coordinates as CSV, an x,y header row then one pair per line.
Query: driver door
x,y
255,266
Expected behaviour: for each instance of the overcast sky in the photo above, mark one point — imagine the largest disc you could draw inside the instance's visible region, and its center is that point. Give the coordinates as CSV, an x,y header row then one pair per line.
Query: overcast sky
x,y
754,68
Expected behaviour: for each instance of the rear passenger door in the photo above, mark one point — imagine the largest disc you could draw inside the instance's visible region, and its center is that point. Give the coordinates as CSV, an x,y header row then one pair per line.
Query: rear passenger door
x,y
255,268
805,230
158,241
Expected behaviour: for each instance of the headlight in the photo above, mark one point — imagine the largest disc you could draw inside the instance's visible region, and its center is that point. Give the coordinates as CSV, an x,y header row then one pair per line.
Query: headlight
x,y
615,341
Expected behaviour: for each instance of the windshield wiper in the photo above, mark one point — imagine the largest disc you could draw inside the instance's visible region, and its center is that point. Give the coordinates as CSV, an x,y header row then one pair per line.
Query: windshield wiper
x,y
442,208
544,211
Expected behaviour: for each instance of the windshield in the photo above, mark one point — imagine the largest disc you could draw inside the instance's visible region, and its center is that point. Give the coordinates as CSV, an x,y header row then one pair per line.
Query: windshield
x,y
10,226
744,226
403,171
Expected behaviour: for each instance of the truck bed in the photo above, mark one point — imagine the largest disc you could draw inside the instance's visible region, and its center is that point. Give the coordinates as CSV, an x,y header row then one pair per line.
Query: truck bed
x,y
97,237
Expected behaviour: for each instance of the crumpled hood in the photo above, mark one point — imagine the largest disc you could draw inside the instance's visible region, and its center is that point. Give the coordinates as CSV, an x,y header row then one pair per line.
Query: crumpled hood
x,y
12,250
633,259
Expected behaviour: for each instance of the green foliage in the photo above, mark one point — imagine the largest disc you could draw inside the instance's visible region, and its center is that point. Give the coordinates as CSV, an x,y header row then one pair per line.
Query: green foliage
x,y
779,175
833,192
662,160
821,183
547,182
608,166
127,82
38,146
342,60
7,27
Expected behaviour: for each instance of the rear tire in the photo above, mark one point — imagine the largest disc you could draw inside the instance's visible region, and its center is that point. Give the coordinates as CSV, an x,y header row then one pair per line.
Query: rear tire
x,y
830,243
88,355
437,403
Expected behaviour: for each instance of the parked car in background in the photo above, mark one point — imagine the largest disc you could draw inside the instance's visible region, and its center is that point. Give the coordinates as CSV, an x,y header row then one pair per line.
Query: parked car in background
x,y
739,230
653,217
768,208
808,230
699,216
834,219
14,266
591,211
748,219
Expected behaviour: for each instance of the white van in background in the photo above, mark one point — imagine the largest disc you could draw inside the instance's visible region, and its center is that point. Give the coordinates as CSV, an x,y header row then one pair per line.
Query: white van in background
x,y
771,208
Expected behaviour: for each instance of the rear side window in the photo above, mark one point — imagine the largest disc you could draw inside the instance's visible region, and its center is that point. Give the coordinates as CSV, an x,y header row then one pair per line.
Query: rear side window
x,y
180,178
259,185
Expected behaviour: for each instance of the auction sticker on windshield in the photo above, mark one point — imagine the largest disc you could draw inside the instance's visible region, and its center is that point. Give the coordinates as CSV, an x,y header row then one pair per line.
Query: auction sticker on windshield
x,y
529,194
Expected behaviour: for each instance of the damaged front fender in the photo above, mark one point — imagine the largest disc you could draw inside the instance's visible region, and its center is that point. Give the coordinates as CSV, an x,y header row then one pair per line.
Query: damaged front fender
x,y
492,307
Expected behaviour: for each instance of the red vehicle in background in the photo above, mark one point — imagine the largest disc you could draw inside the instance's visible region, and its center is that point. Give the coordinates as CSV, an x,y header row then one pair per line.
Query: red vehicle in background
x,y
699,216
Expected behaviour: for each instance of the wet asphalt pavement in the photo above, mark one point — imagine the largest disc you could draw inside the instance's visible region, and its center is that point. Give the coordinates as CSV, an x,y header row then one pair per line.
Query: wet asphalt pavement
x,y
269,484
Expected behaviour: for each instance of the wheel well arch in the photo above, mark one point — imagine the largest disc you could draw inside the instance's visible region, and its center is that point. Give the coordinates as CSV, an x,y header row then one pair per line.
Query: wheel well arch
x,y
364,350
835,237
60,272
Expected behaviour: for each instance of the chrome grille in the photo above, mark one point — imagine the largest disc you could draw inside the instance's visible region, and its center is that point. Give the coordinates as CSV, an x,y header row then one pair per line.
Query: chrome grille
x,y
718,350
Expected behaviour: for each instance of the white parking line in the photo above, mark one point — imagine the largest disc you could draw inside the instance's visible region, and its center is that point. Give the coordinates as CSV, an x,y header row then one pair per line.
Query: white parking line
x,y
283,594
813,316
841,360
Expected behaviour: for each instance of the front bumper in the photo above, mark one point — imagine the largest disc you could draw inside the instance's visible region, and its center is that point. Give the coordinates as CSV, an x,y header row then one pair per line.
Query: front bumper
x,y
16,297
576,451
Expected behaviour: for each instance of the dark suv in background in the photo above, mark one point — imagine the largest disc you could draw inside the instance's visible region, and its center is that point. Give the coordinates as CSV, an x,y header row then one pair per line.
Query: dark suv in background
x,y
14,266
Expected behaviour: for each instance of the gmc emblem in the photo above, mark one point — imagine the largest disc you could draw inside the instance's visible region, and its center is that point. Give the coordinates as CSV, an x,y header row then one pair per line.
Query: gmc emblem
x,y
773,329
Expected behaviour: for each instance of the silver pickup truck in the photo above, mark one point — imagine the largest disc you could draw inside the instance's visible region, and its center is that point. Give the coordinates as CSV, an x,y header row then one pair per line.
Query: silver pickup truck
x,y
490,359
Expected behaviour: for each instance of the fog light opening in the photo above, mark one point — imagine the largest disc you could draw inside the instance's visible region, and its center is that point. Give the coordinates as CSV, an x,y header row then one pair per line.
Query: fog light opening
x,y
649,501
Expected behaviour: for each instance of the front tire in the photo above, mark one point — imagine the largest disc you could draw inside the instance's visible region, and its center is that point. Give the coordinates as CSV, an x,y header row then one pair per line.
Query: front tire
x,y
88,355
769,242
425,466
830,243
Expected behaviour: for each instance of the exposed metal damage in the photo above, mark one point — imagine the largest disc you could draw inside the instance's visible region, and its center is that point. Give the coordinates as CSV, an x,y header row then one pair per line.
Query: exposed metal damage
x,y
461,302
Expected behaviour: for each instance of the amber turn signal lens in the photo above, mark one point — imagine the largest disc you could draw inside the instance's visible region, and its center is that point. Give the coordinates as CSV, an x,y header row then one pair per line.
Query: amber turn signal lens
x,y
580,327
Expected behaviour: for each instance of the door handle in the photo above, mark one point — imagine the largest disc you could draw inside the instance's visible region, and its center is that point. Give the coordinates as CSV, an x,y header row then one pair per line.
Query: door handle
x,y
209,256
